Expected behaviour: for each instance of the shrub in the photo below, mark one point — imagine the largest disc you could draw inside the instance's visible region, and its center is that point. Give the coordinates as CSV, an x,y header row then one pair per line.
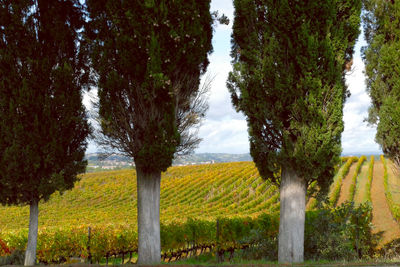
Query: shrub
x,y
339,233
263,239
331,233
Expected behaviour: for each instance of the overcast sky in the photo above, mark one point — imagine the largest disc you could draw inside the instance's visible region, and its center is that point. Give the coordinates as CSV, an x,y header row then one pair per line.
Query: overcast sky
x,y
225,131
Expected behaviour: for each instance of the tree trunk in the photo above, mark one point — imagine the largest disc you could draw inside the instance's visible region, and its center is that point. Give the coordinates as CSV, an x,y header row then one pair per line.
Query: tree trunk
x,y
30,253
292,217
148,208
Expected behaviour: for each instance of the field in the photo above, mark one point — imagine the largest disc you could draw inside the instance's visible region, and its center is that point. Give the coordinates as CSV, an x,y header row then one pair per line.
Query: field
x,y
106,202
201,192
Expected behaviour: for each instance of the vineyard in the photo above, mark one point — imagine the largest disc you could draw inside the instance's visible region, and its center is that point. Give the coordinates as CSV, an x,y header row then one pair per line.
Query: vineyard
x,y
192,199
203,192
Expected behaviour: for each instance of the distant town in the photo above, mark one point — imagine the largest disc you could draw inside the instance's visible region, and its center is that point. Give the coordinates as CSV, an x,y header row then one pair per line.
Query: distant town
x,y
101,162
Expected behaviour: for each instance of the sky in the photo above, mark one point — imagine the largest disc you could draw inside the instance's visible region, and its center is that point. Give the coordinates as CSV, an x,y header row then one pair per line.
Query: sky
x,y
225,131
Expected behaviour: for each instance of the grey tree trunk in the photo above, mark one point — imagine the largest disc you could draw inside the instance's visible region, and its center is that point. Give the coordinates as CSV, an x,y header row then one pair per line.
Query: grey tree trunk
x,y
292,217
30,253
148,208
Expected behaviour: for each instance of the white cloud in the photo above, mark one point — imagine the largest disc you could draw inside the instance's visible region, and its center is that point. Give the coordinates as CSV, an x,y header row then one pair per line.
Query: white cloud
x,y
227,136
224,130
220,99
358,137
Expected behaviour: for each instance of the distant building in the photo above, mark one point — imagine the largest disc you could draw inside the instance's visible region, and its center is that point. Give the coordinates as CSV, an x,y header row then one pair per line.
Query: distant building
x,y
108,167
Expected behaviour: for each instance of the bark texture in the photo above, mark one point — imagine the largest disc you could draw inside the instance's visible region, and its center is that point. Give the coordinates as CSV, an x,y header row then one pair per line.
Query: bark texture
x,y
30,253
292,217
148,207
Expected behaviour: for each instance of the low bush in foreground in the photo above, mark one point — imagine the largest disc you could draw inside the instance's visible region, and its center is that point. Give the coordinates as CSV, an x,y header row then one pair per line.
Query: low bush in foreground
x,y
342,233
331,235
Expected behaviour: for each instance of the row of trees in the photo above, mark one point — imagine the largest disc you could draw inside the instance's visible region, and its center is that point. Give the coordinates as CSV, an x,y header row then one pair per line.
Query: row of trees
x,y
381,55
146,58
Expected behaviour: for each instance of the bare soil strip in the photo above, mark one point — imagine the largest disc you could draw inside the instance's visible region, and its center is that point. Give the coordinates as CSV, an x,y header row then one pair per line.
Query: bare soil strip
x,y
362,179
382,218
346,182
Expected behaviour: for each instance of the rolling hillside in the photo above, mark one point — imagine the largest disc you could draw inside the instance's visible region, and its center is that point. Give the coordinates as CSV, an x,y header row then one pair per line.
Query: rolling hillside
x,y
203,193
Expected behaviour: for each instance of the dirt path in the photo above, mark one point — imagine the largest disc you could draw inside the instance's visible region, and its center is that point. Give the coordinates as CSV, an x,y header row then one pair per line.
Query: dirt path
x,y
362,179
344,190
381,215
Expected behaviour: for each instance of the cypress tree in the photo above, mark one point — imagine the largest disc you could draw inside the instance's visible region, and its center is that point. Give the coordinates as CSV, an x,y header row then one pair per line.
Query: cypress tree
x,y
43,125
149,56
382,59
289,63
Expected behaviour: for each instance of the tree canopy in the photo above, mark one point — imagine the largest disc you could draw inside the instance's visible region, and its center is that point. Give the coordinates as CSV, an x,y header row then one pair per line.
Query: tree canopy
x,y
149,56
43,123
289,62
382,59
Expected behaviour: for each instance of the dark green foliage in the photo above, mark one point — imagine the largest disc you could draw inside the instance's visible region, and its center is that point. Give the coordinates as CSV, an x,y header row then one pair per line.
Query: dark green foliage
x,y
382,58
149,56
43,124
289,61
341,233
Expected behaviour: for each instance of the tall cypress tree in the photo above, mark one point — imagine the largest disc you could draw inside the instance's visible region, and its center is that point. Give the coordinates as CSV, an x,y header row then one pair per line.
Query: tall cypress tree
x,y
289,62
149,56
43,123
382,59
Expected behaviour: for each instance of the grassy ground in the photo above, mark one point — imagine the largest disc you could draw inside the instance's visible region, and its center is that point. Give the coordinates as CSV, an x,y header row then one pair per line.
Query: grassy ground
x,y
381,215
210,260
346,183
335,180
250,264
360,195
